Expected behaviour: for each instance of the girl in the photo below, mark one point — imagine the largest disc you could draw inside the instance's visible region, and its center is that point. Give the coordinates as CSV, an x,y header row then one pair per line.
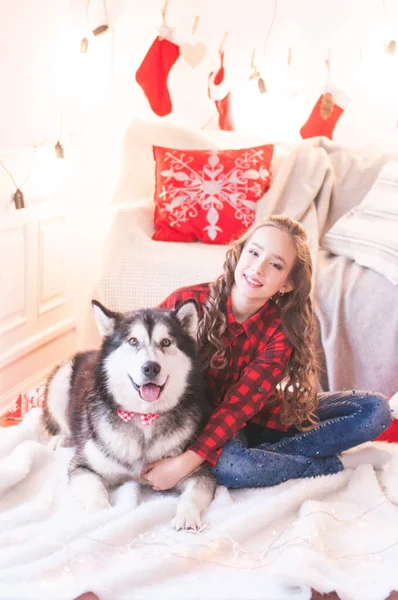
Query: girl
x,y
256,339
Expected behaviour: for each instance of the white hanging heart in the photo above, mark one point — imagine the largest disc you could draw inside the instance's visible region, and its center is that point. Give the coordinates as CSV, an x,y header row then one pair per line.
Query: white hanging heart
x,y
193,53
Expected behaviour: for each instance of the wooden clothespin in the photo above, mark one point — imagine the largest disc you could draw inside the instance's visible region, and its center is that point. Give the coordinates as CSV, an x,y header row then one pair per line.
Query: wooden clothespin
x,y
164,10
165,31
221,48
254,71
327,60
256,74
195,24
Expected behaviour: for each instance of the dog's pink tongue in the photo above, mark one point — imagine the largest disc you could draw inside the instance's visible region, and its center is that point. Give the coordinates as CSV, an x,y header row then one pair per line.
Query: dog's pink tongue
x,y
149,392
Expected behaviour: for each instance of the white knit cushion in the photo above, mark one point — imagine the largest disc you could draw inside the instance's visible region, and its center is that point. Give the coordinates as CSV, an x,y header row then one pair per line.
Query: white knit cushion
x,y
139,272
368,234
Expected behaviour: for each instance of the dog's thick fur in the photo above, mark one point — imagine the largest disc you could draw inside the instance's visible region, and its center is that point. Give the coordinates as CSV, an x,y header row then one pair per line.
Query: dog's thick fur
x,y
147,364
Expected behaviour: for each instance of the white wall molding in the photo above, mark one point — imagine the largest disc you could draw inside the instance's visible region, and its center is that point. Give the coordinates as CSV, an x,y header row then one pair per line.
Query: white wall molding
x,y
36,341
51,269
14,263
22,368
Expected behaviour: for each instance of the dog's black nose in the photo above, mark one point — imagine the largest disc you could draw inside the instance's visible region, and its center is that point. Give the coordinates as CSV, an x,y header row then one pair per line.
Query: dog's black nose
x,y
151,369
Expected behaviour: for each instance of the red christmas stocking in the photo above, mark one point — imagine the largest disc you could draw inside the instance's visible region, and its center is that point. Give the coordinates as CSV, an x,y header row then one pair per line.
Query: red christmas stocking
x,y
219,91
326,112
153,72
391,433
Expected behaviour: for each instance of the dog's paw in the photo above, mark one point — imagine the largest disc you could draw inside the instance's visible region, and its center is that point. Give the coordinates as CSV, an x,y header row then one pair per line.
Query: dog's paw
x,y
90,493
97,505
188,519
94,505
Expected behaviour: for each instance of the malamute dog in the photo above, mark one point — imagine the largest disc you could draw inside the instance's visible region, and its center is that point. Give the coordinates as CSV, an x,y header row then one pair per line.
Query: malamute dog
x,y
138,399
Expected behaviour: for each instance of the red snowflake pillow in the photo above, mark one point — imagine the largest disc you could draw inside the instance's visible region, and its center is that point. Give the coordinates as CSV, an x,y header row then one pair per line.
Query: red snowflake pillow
x,y
208,195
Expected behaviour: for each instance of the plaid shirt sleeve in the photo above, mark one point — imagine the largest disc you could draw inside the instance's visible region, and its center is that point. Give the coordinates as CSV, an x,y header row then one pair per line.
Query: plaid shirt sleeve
x,y
245,398
170,301
198,292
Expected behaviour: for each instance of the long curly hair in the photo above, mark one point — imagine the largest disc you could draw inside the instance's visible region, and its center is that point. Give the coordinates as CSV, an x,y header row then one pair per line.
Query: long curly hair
x,y
298,391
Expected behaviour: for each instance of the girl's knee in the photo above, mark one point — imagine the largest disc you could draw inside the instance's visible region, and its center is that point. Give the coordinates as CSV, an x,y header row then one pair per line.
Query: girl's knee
x,y
227,472
233,465
223,476
377,408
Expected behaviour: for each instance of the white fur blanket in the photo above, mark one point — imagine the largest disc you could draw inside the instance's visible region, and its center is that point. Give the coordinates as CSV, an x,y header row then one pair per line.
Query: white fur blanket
x,y
337,532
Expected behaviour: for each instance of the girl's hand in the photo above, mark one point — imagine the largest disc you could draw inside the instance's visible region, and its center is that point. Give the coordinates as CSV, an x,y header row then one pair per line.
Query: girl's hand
x,y
167,472
164,474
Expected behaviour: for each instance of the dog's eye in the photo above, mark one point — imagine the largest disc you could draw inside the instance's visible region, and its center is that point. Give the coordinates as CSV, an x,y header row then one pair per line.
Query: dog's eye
x,y
165,343
133,341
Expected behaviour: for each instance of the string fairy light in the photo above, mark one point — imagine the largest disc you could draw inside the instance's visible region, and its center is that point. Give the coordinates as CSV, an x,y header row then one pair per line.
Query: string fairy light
x,y
224,552
18,197
97,31
210,551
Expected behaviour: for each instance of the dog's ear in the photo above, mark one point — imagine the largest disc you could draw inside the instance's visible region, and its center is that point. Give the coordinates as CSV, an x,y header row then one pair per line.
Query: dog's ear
x,y
104,318
188,315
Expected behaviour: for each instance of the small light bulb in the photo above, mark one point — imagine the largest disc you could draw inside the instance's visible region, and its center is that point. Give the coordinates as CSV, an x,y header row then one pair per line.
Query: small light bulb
x,y
59,150
391,48
100,30
261,85
18,199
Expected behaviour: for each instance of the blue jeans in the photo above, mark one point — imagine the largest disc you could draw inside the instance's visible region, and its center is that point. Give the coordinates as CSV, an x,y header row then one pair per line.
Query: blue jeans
x,y
262,457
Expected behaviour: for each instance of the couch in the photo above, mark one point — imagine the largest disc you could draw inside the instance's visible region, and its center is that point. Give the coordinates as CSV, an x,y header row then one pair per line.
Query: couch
x,y
316,182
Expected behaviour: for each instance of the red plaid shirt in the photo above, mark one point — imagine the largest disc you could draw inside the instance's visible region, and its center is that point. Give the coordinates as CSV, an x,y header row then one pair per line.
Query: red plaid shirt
x,y
257,351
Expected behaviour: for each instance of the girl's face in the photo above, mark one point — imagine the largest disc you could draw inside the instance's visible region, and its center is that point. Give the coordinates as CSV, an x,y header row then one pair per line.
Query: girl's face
x,y
264,265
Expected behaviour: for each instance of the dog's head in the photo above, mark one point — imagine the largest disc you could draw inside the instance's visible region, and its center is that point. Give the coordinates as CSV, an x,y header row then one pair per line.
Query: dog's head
x,y
147,355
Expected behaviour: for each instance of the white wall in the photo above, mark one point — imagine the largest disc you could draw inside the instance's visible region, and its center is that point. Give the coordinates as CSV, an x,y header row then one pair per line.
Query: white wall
x,y
51,91
310,27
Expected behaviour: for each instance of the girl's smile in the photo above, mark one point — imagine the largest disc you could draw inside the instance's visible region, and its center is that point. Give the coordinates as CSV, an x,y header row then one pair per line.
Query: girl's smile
x,y
251,280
